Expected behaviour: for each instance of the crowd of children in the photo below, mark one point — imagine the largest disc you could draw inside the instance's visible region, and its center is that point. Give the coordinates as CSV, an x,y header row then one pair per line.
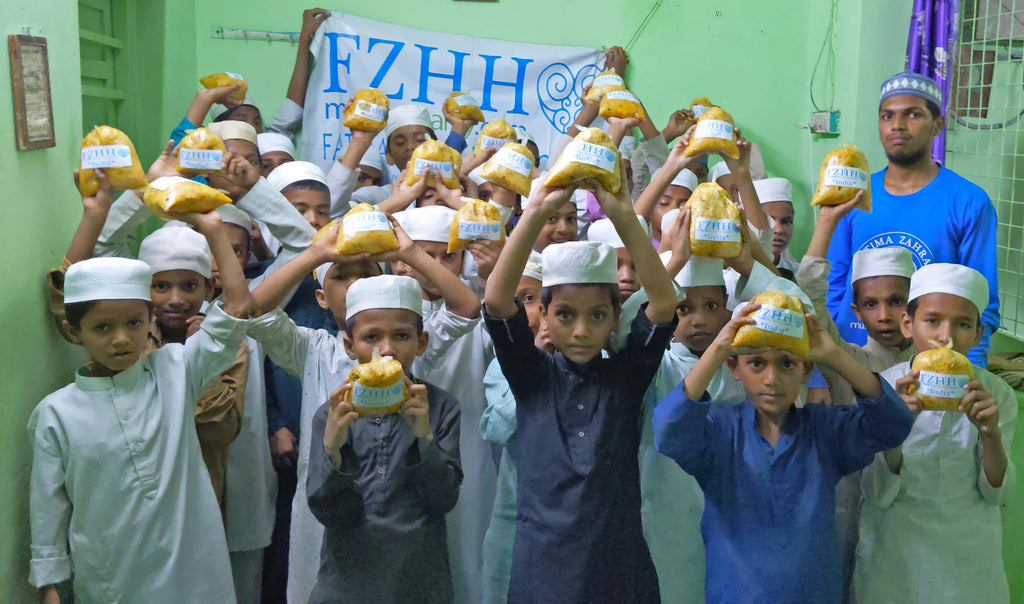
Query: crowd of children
x,y
577,422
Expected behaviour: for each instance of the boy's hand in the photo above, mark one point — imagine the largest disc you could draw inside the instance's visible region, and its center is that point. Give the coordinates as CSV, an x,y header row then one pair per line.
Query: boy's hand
x,y
822,346
678,123
831,215
219,94
475,160
238,175
406,246
451,198
404,194
743,163
165,165
676,159
619,203
678,236
615,59
906,387
104,196
311,20
981,408
193,324
547,200
282,449
460,125
743,262
204,223
339,419
486,253
416,411
619,127
722,345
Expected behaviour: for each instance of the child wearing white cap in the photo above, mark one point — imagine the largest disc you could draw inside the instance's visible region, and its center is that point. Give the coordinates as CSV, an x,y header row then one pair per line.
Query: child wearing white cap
x,y
319,357
931,521
603,231
135,450
776,197
578,534
381,485
671,185
275,149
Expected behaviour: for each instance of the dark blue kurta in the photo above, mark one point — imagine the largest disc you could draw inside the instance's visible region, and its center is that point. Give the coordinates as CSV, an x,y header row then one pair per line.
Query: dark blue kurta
x,y
578,531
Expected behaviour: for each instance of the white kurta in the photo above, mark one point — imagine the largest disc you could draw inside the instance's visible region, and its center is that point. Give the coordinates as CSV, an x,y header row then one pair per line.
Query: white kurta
x,y
119,490
320,361
933,532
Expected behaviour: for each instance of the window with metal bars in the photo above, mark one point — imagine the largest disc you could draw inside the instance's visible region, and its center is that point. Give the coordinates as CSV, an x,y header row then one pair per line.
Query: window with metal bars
x,y
985,132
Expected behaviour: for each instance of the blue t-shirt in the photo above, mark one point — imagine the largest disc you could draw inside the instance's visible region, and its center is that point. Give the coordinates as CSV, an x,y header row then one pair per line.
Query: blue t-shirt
x,y
949,220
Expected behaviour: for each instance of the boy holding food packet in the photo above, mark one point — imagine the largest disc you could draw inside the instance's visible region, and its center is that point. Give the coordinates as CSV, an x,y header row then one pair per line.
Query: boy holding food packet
x,y
930,523
381,484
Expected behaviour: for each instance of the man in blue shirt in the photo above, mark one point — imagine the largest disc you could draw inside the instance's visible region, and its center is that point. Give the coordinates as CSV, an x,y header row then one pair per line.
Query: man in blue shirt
x,y
917,204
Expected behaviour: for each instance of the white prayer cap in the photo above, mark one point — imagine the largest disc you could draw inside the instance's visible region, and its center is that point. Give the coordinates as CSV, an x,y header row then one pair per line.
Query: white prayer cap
x,y
773,189
174,248
432,223
383,291
107,279
217,110
269,142
882,262
407,115
699,271
667,219
717,171
955,279
373,159
321,272
230,214
295,171
475,175
627,146
234,130
534,267
603,231
686,179
579,262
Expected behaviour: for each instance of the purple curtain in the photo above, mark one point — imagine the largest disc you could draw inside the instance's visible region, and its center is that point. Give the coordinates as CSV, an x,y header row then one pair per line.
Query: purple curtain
x,y
931,48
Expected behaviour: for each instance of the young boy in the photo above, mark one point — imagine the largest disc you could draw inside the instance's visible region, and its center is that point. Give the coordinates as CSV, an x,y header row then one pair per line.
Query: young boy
x,y
381,485
768,469
578,533
275,149
603,231
776,197
930,524
116,474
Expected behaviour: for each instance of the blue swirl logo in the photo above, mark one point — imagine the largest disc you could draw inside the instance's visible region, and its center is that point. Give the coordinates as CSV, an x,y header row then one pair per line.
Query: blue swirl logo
x,y
560,92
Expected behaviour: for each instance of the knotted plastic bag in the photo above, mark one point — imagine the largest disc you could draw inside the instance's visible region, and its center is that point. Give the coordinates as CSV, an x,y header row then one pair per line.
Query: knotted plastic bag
x,y
588,161
475,221
714,223
779,323
494,135
180,195
112,151
714,133
434,155
368,111
364,230
511,168
463,106
844,173
378,386
944,371
620,102
200,152
226,78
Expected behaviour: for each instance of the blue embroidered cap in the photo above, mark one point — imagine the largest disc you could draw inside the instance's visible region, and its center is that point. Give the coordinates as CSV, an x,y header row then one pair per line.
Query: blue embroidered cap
x,y
908,82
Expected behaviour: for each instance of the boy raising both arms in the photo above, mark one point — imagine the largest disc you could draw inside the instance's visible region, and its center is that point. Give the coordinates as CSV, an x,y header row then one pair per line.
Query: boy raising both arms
x,y
578,534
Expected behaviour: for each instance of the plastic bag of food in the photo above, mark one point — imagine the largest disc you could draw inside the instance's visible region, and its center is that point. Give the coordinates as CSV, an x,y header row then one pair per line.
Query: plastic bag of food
x,y
714,134
944,371
779,323
844,173
364,230
434,155
620,102
494,135
603,82
226,78
510,168
180,195
112,151
699,105
463,106
378,387
588,161
714,223
201,151
368,111
475,220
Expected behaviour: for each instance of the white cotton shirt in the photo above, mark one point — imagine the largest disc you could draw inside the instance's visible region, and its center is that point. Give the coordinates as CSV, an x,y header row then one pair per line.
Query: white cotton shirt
x,y
119,487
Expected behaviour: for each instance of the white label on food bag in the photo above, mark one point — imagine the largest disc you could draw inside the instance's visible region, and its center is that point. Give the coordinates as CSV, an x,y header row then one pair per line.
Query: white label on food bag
x,y
106,156
233,75
622,95
165,182
479,230
517,162
489,142
713,129
465,101
377,396
941,385
608,80
779,320
361,222
444,167
699,110
200,159
843,176
717,229
369,111
591,154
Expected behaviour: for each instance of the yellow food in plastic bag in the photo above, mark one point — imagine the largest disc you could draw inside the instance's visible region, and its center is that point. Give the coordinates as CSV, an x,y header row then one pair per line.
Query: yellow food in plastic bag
x,y
226,78
180,195
699,105
112,151
944,371
844,173
201,151
714,133
463,106
434,155
378,386
494,135
510,168
474,221
780,323
620,102
368,111
589,161
603,82
714,222
364,230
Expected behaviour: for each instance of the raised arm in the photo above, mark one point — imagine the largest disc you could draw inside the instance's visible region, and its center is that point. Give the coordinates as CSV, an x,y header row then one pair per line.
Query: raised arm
x,y
205,99
311,20
740,170
237,300
95,209
675,164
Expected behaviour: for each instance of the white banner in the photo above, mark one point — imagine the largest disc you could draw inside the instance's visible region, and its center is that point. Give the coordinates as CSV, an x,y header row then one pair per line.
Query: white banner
x,y
531,86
